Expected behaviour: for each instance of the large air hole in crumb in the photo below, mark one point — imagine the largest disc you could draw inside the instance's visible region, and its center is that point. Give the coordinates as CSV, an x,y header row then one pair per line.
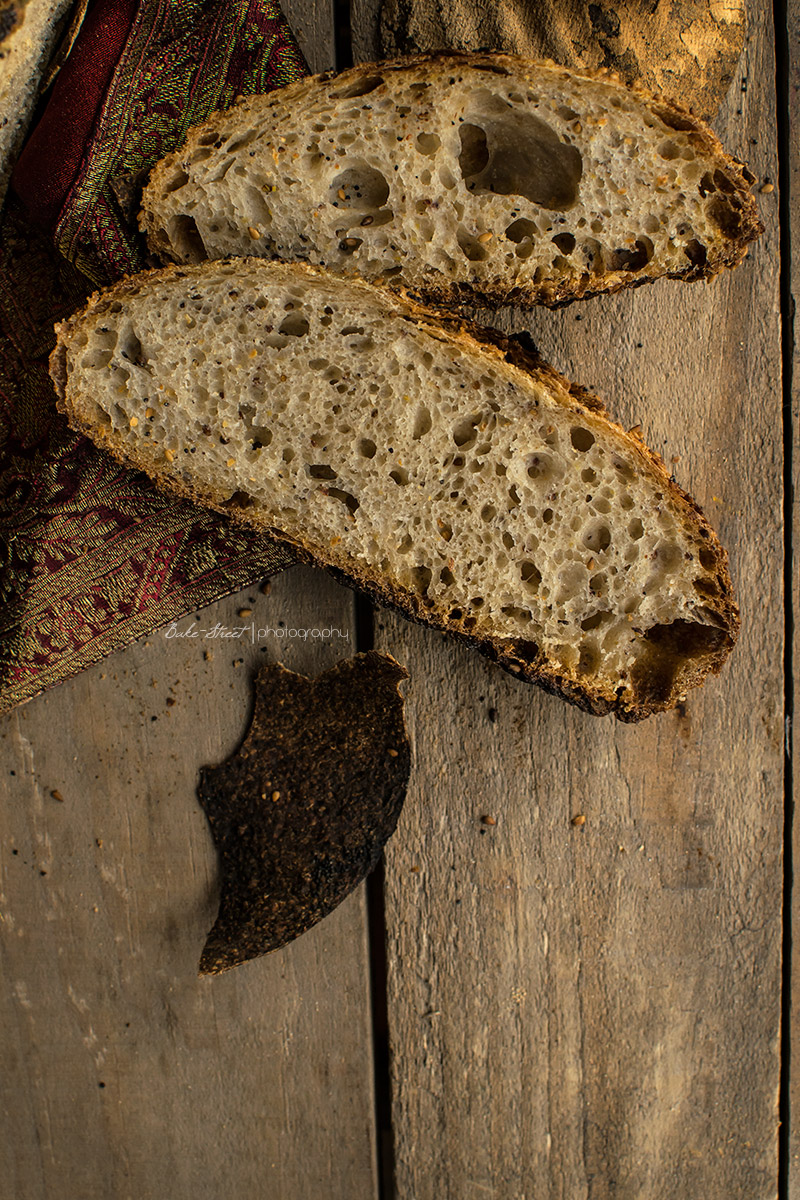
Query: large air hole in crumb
x,y
565,242
294,325
176,181
428,143
465,433
275,341
345,497
97,358
531,576
597,537
359,87
321,471
244,139
185,237
707,588
581,438
593,255
260,436
361,187
522,230
474,249
421,578
519,614
696,253
512,153
541,468
624,259
727,214
668,557
423,422
596,619
668,648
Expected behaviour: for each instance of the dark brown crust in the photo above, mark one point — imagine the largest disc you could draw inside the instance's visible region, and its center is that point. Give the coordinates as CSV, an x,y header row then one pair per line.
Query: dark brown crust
x,y
745,224
517,656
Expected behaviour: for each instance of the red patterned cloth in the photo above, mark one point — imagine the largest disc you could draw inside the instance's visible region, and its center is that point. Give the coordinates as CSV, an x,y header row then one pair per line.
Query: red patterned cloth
x,y
91,557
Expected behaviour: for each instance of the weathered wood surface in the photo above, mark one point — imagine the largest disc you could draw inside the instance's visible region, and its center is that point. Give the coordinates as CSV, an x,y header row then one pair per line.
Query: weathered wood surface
x,y
792,179
124,1074
593,1010
575,1010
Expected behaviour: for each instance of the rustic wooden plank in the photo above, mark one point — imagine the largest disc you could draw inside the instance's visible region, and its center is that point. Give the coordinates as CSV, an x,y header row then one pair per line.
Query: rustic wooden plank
x,y
593,1010
312,24
125,1073
364,18
792,181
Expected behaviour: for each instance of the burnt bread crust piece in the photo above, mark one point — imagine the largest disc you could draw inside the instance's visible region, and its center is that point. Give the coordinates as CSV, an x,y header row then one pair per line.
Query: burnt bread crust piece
x,y
463,179
442,468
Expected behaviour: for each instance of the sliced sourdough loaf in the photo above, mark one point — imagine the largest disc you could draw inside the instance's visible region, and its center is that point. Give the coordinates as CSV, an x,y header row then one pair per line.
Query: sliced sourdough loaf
x,y
460,177
440,467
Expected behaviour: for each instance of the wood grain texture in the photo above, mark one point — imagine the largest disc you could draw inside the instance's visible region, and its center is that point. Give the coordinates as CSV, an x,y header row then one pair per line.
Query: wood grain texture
x,y
311,22
365,29
592,1010
124,1073
792,150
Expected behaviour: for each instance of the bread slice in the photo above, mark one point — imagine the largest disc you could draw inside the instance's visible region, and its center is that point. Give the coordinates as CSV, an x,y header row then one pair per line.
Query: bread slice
x,y
456,478
460,177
